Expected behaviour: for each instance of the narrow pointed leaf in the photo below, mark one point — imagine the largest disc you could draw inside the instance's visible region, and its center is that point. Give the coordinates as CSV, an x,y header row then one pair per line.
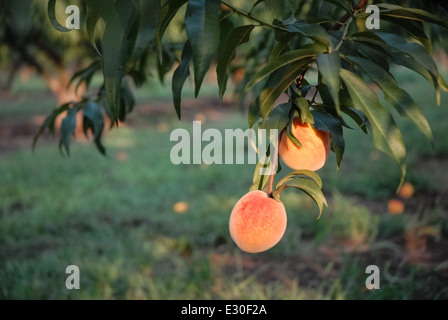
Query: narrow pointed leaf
x,y
202,24
52,16
398,97
167,13
386,136
312,31
329,65
269,95
149,21
227,51
285,59
180,75
411,14
67,129
309,186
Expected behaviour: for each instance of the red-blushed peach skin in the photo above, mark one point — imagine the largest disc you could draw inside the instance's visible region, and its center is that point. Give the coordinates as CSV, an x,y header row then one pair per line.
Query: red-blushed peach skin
x,y
257,222
314,151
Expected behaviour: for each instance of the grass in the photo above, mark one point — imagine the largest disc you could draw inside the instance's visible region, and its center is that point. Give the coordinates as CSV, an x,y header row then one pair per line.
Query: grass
x,y
113,217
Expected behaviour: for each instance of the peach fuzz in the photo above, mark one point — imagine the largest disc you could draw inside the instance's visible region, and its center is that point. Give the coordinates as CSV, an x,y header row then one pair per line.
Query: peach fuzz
x,y
314,151
257,222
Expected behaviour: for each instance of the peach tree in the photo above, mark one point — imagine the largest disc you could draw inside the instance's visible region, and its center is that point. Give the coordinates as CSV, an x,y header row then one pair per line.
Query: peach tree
x,y
323,54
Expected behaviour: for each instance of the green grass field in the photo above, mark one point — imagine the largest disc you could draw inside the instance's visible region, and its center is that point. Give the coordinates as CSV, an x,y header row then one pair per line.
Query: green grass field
x,y
113,216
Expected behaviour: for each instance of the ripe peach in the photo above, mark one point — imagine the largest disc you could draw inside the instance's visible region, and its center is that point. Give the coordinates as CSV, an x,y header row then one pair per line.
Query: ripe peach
x,y
406,191
395,206
257,222
314,151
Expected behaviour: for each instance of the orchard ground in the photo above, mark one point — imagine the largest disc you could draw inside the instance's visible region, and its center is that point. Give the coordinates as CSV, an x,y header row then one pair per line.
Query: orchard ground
x,y
118,218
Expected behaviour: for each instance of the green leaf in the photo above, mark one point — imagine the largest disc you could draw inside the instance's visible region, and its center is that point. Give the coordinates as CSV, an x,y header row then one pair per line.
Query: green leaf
x,y
92,17
329,65
285,59
227,51
398,97
311,31
357,116
281,44
49,122
127,101
51,9
92,112
414,57
202,24
410,13
149,21
180,75
278,119
326,122
413,28
268,96
68,129
386,136
260,181
118,20
410,55
303,172
305,112
85,75
309,186
167,13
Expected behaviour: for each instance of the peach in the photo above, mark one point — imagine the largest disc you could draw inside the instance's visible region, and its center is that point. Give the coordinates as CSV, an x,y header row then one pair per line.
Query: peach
x,y
406,191
314,151
395,206
257,222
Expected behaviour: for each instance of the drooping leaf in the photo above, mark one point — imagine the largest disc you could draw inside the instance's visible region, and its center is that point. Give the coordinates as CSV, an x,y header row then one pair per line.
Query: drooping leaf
x,y
85,75
180,75
303,173
269,95
167,13
49,122
94,118
281,44
285,59
115,48
308,30
278,118
68,129
51,9
386,136
410,55
92,17
333,126
202,24
329,65
148,23
413,28
227,51
260,181
359,117
305,112
398,97
410,13
304,183
127,101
